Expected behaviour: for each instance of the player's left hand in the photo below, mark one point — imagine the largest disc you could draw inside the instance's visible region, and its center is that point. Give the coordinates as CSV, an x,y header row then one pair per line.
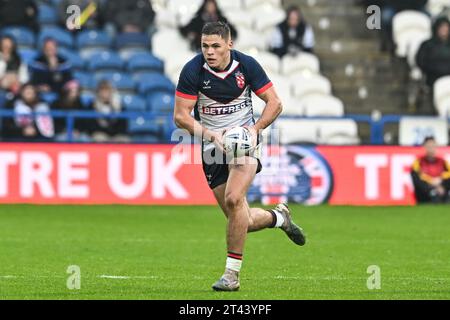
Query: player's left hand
x,y
254,134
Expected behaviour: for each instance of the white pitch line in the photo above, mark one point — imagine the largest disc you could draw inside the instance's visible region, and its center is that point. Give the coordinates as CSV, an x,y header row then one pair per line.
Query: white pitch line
x,y
279,277
104,276
113,277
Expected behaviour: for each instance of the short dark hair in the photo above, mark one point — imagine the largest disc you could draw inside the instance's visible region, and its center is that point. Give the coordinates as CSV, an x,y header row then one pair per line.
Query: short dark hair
x,y
428,138
219,28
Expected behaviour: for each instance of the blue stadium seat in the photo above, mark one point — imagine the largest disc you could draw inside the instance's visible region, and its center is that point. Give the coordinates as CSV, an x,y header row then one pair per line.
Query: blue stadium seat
x,y
133,103
85,79
161,102
49,97
155,82
62,37
167,125
87,99
23,36
121,81
88,53
143,124
73,57
93,39
28,55
3,98
144,62
47,15
146,138
143,76
105,60
132,40
127,53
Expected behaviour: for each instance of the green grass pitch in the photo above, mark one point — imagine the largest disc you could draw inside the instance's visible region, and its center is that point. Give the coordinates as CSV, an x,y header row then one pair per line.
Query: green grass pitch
x,y
137,252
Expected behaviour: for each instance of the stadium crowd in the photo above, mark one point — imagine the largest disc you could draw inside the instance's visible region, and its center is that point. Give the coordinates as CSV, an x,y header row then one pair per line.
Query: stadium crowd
x,y
107,66
47,64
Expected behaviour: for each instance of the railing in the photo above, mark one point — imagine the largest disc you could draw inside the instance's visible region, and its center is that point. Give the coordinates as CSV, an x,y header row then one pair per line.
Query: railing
x,y
70,117
377,124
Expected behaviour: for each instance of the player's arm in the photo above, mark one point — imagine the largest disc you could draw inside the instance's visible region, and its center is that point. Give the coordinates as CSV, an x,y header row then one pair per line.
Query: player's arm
x,y
183,119
271,111
263,88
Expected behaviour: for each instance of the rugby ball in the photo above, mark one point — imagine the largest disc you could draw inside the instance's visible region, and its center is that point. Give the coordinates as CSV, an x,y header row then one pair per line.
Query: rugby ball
x,y
237,142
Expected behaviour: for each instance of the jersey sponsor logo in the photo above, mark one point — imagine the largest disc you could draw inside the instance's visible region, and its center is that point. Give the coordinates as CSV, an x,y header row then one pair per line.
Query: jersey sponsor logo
x,y
224,110
240,79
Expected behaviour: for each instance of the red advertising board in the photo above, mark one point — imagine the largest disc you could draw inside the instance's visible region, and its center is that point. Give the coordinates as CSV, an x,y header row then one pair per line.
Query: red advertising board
x,y
373,175
100,174
160,174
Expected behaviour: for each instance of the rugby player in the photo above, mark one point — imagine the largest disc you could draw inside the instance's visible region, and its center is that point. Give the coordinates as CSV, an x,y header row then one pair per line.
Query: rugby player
x,y
217,85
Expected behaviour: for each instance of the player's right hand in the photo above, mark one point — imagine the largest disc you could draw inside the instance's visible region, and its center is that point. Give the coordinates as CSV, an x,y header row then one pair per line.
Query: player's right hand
x,y
216,137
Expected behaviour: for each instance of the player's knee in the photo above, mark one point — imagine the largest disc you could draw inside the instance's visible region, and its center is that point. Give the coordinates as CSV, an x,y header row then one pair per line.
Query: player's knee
x,y
251,225
233,201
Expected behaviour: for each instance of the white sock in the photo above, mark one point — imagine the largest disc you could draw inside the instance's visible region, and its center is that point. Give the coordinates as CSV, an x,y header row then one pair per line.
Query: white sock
x,y
280,219
233,264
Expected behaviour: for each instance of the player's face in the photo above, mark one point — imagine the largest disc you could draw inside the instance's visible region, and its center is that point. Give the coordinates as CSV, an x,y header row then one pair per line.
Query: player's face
x,y
216,51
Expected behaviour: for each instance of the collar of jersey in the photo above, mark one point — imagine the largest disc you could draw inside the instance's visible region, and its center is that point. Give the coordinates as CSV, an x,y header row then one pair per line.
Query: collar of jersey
x,y
222,74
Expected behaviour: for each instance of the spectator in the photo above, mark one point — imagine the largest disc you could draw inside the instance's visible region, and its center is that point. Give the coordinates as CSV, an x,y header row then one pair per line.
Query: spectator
x,y
431,175
50,71
293,35
18,13
70,100
129,16
12,71
95,21
27,126
208,12
107,101
433,56
389,8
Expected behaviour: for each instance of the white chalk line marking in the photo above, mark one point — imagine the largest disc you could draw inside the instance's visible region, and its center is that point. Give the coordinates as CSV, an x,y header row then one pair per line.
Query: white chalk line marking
x,y
279,277
105,276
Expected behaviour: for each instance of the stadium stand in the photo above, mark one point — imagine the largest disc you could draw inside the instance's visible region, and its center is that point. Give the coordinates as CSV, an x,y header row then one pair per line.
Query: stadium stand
x,y
436,7
410,29
24,37
442,96
347,78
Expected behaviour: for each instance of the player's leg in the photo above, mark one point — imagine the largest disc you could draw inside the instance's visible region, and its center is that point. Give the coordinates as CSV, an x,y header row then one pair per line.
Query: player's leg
x,y
239,180
258,219
235,207
231,197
